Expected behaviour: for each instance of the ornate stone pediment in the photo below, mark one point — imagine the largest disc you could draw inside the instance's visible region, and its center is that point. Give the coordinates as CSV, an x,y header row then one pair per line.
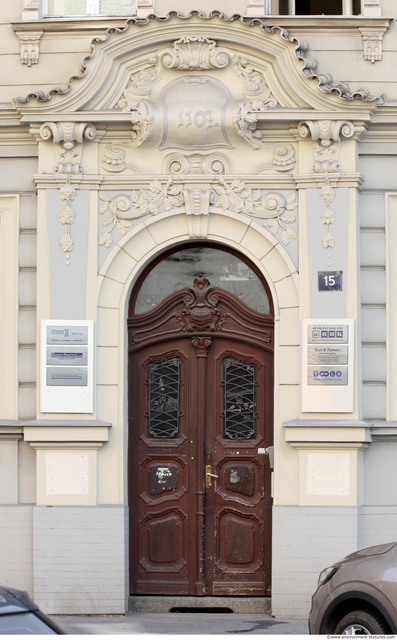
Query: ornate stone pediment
x,y
204,49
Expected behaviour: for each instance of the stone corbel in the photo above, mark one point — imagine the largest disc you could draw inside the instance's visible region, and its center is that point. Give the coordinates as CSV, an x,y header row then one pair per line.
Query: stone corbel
x,y
30,46
372,41
326,136
68,143
197,203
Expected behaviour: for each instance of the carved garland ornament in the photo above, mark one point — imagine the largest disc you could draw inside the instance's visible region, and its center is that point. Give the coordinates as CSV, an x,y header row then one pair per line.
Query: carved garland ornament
x,y
124,209
235,196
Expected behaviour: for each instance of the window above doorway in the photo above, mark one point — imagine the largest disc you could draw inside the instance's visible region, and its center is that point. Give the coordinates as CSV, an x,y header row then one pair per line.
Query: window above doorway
x,y
319,7
65,8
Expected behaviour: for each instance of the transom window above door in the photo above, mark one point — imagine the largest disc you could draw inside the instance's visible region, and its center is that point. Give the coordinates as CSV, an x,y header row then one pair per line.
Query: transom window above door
x,y
63,8
224,270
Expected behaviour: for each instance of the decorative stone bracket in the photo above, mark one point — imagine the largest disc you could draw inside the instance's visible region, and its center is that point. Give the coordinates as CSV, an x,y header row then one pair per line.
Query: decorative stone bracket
x,y
372,41
30,46
68,143
326,138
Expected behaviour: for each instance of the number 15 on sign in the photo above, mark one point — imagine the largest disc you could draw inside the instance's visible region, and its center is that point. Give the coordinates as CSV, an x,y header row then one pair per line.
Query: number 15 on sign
x,y
330,280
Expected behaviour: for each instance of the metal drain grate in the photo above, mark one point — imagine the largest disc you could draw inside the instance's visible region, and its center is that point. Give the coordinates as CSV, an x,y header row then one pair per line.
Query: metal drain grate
x,y
201,610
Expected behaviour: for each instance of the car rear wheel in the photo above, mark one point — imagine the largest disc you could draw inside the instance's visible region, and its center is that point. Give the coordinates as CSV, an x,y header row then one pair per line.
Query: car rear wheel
x,y
361,623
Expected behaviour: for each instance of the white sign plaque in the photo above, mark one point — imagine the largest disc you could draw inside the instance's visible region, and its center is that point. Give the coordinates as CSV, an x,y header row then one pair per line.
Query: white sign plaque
x,y
66,366
328,366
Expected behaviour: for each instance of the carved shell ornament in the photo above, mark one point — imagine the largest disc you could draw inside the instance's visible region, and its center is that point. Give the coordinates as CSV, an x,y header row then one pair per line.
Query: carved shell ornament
x,y
194,53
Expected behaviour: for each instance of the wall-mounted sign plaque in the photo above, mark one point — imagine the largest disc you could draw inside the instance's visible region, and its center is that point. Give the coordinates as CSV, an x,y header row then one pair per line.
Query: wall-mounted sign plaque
x,y
67,356
324,334
66,377
326,354
330,280
327,376
67,371
67,334
328,366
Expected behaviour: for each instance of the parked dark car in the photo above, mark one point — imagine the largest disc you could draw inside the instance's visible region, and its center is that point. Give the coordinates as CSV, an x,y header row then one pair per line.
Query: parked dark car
x,y
358,594
20,616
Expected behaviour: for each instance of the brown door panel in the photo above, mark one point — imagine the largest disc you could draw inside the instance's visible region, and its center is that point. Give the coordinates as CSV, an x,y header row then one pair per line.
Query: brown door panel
x,y
200,399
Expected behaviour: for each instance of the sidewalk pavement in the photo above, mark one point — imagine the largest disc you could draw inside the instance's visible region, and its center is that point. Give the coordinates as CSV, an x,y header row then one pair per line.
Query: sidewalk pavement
x,y
181,624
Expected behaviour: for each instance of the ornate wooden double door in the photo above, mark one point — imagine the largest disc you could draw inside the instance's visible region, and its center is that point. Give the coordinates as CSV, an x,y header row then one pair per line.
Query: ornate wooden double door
x,y
201,417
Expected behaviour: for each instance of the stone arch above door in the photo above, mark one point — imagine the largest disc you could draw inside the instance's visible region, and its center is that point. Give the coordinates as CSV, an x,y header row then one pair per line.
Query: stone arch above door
x,y
153,236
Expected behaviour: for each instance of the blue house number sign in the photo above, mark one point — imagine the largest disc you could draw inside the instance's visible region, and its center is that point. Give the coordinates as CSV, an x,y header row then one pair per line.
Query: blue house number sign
x,y
330,280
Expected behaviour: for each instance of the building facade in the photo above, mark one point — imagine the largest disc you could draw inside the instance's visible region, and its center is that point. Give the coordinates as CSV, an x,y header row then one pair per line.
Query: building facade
x,y
198,391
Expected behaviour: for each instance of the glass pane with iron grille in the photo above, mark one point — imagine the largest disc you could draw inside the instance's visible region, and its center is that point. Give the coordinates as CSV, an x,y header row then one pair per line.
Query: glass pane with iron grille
x,y
164,398
239,412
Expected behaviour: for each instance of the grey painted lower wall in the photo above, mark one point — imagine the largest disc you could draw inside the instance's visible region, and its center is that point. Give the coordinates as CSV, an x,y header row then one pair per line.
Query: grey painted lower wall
x,y
80,560
16,547
305,541
377,525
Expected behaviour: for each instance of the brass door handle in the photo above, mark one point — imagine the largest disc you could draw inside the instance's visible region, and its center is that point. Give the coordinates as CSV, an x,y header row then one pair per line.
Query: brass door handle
x,y
208,476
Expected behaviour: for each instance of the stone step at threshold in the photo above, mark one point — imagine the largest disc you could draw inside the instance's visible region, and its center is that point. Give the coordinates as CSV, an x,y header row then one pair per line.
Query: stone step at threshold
x,y
203,604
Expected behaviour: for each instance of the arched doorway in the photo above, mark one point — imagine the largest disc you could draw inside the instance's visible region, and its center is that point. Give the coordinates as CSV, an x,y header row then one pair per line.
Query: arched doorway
x,y
201,341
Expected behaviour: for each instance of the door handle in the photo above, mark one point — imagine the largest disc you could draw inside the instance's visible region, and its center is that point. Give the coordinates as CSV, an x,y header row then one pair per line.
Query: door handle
x,y
208,476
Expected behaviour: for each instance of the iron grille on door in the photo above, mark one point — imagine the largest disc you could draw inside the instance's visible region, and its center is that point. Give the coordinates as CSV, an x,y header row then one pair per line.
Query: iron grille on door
x,y
164,382
239,409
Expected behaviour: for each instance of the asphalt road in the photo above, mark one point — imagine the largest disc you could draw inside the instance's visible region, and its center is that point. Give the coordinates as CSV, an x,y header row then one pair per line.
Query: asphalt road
x,y
181,624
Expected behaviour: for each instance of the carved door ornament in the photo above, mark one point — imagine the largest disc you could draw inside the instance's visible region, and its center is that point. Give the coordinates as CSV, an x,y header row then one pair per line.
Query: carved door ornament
x,y
200,312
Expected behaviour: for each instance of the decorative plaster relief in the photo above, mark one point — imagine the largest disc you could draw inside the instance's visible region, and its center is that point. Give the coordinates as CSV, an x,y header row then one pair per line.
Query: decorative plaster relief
x,y
141,118
373,42
30,46
325,83
326,137
68,143
194,116
246,121
124,209
327,195
194,53
67,217
271,206
196,201
178,164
